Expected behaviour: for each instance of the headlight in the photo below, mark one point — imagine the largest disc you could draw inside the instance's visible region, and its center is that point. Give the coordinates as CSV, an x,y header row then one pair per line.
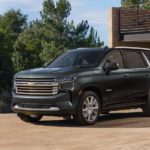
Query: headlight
x,y
66,80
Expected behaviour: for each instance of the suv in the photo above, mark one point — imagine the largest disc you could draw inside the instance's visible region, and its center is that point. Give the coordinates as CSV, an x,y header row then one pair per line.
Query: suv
x,y
84,83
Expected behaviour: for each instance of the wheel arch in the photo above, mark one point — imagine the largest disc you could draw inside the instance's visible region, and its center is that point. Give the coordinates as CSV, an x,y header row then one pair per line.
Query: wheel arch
x,y
94,88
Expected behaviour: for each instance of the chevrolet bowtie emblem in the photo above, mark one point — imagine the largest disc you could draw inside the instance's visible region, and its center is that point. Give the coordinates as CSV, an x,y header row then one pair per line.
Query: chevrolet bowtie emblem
x,y
30,83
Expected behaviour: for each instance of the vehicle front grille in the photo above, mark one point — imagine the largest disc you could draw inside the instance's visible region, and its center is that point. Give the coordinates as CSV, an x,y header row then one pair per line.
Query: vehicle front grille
x,y
36,87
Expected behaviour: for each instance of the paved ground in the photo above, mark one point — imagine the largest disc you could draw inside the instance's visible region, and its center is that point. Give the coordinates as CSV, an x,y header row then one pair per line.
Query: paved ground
x,y
118,131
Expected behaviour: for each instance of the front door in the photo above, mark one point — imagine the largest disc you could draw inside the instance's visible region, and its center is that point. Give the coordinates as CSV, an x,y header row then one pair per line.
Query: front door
x,y
117,83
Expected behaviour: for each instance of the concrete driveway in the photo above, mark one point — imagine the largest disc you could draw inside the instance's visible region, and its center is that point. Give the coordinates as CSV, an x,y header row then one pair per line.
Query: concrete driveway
x,y
118,131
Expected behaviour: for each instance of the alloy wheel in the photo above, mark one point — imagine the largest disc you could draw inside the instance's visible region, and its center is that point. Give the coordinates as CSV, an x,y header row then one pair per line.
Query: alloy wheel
x,y
90,109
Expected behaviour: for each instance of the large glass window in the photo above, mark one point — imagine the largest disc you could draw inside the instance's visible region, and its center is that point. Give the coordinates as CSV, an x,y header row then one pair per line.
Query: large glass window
x,y
133,60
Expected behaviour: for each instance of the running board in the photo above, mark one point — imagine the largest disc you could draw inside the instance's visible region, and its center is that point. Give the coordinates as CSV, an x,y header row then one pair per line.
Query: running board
x,y
124,106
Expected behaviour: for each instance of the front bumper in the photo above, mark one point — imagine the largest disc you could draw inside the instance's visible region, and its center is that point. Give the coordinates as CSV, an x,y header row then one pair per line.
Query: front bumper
x,y
57,105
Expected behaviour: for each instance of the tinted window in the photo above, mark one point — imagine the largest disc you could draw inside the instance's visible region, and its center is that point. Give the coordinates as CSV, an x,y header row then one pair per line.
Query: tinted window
x,y
64,60
88,58
115,57
133,60
78,58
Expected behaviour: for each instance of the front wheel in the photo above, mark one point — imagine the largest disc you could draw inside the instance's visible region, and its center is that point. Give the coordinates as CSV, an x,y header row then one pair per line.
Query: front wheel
x,y
88,109
30,118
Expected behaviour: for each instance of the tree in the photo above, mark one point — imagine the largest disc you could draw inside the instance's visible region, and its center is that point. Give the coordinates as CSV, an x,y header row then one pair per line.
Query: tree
x,y
93,40
12,23
65,35
27,48
127,3
52,35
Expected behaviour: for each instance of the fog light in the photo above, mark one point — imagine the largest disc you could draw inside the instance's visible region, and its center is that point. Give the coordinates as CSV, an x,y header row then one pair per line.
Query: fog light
x,y
54,109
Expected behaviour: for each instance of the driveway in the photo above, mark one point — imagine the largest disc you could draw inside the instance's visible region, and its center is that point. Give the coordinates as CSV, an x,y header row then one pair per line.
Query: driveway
x,y
126,130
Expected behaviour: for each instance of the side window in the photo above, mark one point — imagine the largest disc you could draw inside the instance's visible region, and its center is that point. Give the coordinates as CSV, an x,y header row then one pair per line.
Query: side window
x,y
133,60
115,57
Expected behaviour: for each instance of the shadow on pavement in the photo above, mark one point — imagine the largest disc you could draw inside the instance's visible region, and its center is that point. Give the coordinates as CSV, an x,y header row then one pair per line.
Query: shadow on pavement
x,y
113,120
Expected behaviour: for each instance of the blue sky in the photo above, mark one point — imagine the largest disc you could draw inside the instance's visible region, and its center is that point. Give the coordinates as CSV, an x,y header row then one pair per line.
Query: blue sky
x,y
95,11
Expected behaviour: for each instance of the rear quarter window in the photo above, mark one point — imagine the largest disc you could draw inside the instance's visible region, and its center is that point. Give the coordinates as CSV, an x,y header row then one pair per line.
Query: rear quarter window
x,y
133,59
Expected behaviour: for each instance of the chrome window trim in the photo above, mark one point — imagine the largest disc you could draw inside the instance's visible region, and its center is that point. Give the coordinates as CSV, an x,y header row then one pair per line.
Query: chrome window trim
x,y
147,61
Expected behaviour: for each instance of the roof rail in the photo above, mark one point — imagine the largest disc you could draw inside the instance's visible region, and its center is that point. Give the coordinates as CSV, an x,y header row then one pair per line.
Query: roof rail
x,y
126,47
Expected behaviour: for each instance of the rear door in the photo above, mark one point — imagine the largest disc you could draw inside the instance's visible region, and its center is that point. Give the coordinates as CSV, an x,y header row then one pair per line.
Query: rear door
x,y
137,72
146,55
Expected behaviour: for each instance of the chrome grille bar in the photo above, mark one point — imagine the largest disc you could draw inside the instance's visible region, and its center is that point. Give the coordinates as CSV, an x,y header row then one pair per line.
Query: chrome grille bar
x,y
36,87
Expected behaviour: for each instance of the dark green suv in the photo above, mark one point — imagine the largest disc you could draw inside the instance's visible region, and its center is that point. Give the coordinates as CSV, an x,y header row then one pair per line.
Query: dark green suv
x,y
84,83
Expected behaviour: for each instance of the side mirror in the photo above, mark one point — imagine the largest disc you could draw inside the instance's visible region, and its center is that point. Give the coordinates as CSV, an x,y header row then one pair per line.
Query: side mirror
x,y
109,66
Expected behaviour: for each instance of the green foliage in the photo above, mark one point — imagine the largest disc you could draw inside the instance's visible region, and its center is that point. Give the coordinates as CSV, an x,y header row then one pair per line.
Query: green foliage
x,y
52,35
27,49
141,3
93,39
12,23
51,50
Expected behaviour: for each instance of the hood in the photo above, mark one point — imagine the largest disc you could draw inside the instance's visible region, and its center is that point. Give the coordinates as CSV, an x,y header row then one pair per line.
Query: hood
x,y
45,73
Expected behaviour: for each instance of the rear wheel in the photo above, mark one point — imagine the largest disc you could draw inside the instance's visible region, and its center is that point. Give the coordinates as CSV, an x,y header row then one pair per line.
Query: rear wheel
x,y
88,109
30,118
146,108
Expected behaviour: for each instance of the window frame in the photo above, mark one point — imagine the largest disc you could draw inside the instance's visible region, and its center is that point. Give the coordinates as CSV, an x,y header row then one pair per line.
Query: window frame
x,y
146,57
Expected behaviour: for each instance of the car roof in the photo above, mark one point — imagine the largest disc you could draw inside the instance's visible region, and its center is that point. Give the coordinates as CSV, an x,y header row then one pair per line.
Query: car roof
x,y
106,49
89,49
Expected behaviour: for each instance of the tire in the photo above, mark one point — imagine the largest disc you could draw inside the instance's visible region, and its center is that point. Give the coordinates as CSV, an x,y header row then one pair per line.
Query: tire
x,y
30,118
88,109
146,108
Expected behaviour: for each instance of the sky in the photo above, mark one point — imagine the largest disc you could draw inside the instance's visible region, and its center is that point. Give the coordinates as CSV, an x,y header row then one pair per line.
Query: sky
x,y
95,11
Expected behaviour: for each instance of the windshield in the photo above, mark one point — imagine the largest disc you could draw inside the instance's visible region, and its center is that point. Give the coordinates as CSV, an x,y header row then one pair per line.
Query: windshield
x,y
82,58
